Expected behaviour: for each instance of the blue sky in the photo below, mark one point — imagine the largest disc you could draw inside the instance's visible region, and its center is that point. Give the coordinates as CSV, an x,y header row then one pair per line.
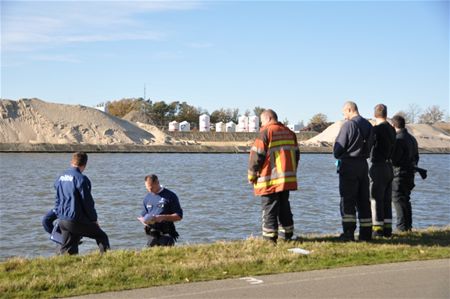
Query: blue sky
x,y
296,57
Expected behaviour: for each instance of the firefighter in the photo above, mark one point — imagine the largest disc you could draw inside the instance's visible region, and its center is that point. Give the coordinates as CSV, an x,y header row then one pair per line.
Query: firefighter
x,y
404,158
272,170
352,148
381,174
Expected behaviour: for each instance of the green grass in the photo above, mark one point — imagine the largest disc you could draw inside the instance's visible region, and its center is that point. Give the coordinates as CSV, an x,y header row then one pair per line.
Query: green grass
x,y
61,276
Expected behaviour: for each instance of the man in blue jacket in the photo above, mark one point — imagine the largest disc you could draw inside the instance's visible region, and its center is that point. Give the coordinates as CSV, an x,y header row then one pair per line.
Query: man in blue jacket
x,y
76,208
352,148
161,209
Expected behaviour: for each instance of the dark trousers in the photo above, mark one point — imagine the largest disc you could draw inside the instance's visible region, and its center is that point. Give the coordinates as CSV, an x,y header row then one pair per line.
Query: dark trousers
x,y
72,231
160,241
354,191
381,175
401,191
277,220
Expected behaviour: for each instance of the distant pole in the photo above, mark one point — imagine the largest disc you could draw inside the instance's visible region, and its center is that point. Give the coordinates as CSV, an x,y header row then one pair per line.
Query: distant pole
x,y
144,93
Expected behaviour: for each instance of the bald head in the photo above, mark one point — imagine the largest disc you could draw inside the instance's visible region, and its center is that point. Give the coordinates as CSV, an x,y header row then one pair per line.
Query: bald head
x,y
268,116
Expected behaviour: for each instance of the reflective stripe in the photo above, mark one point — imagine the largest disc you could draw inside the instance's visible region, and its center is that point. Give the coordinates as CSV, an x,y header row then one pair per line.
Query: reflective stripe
x,y
379,223
275,175
362,224
348,220
365,220
387,220
286,229
275,182
281,142
388,225
283,147
270,235
377,228
278,161
294,161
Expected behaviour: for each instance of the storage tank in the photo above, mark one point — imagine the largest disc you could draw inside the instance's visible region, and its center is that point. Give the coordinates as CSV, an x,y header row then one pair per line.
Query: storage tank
x,y
220,127
253,123
242,124
174,126
204,125
185,126
230,127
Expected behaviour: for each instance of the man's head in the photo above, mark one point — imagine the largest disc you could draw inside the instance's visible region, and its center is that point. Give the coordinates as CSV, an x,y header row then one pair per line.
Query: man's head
x,y
350,110
79,159
152,183
398,121
268,116
380,111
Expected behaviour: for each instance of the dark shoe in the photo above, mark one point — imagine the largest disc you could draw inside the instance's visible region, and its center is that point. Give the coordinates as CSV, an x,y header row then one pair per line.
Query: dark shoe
x,y
365,238
346,237
377,234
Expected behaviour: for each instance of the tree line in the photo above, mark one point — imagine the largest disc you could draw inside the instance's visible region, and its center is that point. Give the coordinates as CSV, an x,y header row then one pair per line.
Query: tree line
x,y
161,113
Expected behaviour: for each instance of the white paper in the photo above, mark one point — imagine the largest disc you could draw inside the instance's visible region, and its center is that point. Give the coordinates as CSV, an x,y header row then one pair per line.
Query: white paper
x,y
299,251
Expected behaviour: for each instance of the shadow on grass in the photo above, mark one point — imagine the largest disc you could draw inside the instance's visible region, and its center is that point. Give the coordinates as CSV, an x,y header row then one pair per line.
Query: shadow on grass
x,y
415,238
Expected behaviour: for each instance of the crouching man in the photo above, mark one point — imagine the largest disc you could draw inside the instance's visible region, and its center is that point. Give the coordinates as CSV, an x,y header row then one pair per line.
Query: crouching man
x,y
161,209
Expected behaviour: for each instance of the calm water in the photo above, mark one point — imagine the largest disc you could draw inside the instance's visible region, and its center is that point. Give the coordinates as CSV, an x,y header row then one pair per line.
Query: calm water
x,y
218,203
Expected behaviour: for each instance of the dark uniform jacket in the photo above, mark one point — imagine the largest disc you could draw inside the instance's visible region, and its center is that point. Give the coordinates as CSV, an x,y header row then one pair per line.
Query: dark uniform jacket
x,y
74,201
354,139
406,153
383,142
163,203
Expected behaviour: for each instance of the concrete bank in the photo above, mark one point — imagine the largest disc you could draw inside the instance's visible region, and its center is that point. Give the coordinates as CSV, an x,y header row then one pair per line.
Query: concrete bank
x,y
182,148
420,279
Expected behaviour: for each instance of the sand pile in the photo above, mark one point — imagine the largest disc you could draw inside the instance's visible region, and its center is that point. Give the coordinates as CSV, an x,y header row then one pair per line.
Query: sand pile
x,y
36,121
427,136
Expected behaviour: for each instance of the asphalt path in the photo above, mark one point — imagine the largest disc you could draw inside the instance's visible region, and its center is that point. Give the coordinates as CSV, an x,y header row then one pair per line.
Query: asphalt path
x,y
421,279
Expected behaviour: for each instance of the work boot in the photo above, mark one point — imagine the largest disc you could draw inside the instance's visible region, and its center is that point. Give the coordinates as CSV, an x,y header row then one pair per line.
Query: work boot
x,y
377,234
347,237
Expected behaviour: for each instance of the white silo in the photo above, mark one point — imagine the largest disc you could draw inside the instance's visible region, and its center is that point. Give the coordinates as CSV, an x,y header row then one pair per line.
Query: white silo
x,y
185,126
204,125
230,127
220,127
242,124
174,126
253,123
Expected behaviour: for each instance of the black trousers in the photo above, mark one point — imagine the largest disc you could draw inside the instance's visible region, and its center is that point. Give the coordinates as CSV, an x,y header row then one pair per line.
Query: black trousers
x,y
354,191
381,175
277,220
160,241
72,231
402,186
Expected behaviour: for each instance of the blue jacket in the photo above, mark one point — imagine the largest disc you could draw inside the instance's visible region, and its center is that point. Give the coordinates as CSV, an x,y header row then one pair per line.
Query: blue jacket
x,y
74,201
354,139
163,203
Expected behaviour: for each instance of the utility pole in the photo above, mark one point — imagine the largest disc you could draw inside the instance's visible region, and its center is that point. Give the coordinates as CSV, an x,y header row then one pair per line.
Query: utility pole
x,y
144,92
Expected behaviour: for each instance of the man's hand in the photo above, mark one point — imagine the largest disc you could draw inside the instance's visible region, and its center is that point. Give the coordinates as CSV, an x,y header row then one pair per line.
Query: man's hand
x,y
252,180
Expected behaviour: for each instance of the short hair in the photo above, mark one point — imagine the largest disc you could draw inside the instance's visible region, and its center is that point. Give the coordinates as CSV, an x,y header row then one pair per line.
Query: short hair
x,y
79,159
151,177
272,114
351,105
380,110
398,121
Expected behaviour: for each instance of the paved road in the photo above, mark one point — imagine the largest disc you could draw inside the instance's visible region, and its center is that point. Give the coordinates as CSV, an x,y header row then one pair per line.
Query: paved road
x,y
423,279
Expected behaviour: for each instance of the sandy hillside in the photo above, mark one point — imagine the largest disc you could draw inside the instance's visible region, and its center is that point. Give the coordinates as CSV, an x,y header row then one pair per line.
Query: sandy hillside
x,y
36,121
427,136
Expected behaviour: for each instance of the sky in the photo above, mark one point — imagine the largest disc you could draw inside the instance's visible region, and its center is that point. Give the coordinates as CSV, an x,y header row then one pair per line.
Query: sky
x,y
299,58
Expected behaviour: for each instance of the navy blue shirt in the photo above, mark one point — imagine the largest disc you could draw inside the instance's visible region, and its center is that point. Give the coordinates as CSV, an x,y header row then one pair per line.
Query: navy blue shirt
x,y
165,202
354,139
74,200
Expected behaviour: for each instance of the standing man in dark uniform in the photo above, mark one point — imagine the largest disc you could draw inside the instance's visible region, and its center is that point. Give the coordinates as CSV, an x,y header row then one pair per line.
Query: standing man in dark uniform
x,y
75,208
404,159
352,148
161,209
381,174
272,170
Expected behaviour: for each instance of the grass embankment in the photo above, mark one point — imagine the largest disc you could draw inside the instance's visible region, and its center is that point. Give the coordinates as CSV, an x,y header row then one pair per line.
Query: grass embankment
x,y
61,276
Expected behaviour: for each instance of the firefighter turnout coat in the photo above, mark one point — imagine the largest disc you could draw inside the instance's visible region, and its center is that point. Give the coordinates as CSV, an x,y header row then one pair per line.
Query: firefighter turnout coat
x,y
273,160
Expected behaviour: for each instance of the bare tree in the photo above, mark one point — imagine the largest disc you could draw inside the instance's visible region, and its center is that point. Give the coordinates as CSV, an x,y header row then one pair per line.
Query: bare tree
x,y
412,113
432,115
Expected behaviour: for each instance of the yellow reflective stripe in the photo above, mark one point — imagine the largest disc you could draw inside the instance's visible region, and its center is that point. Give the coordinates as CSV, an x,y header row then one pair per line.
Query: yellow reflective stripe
x,y
294,162
365,224
377,228
388,225
275,182
281,142
251,177
270,235
278,161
